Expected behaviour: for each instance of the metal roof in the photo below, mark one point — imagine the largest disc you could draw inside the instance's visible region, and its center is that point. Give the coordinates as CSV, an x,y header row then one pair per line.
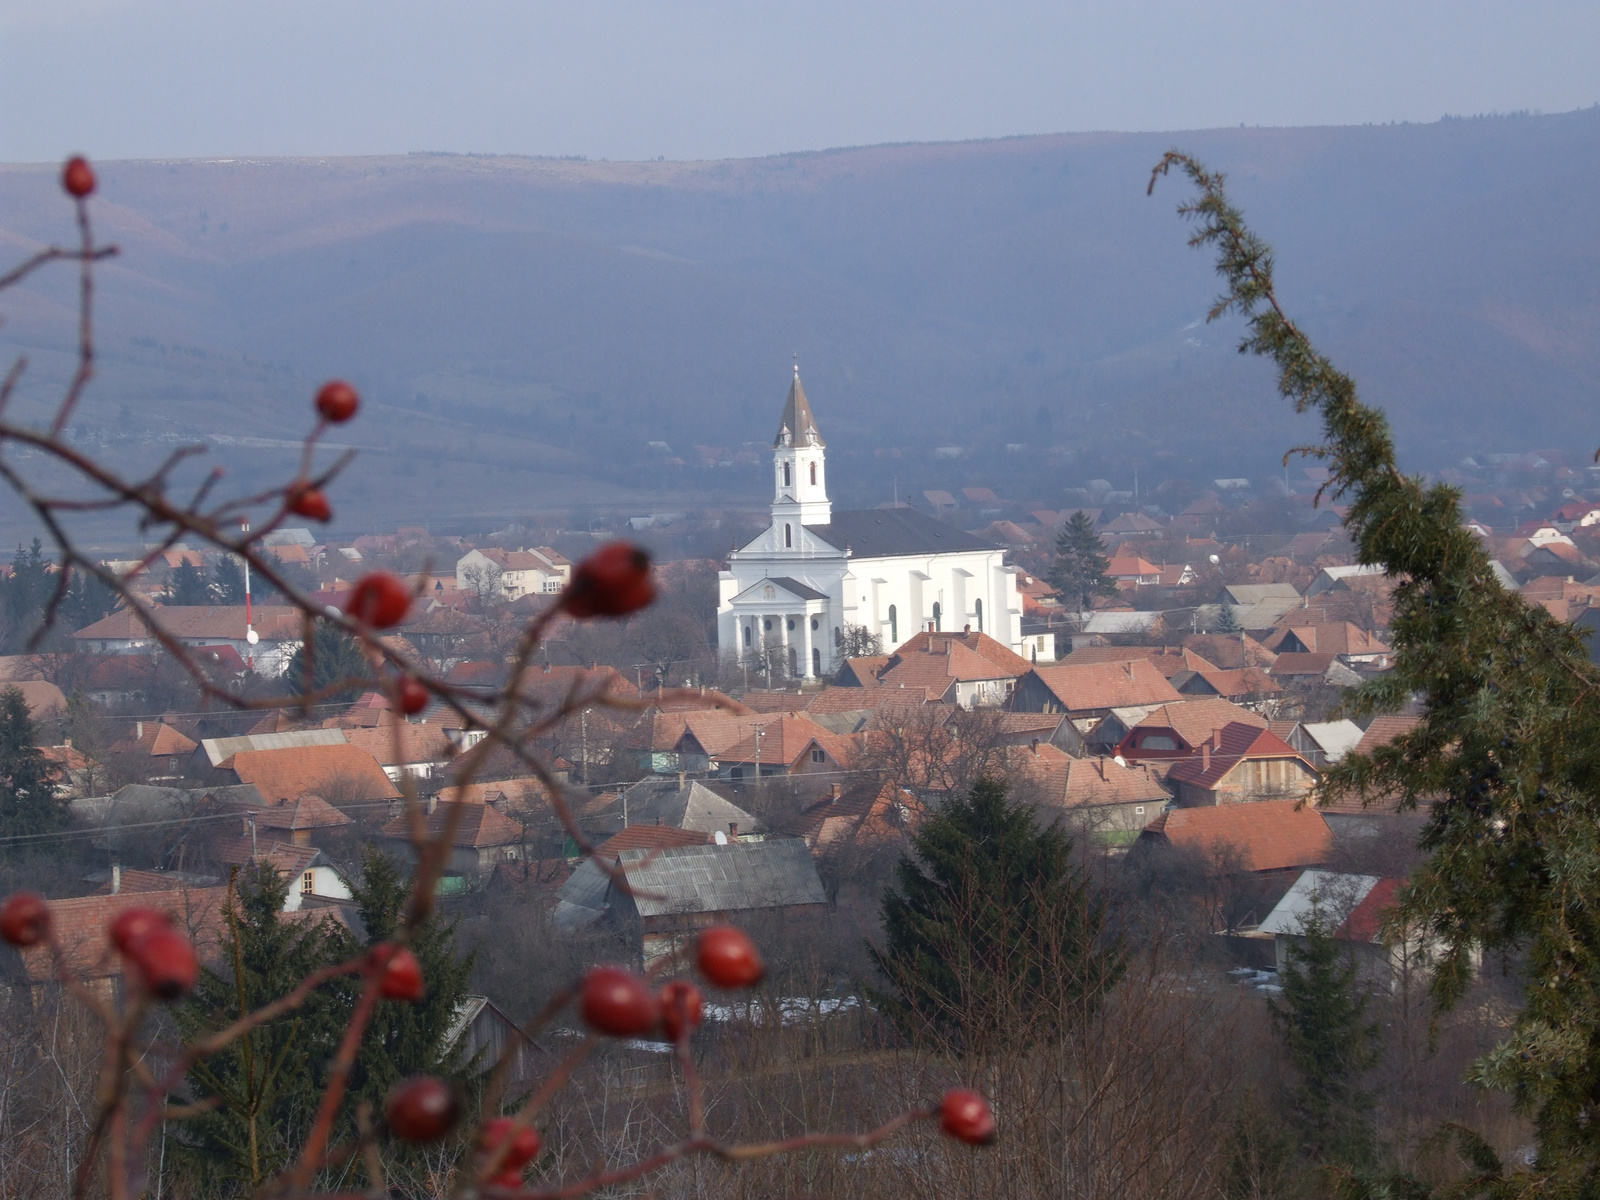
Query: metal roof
x,y
709,879
888,532
1334,895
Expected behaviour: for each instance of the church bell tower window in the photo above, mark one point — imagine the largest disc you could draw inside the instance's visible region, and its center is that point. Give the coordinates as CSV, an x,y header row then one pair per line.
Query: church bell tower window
x,y
785,474
788,536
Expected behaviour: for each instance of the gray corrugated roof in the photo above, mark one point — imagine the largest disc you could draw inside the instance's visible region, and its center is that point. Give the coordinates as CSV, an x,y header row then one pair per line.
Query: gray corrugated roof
x,y
661,801
1334,895
707,879
886,532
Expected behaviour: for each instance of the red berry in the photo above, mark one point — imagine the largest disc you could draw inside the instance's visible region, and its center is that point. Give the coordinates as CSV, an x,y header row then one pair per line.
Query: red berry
x,y
728,958
77,177
133,925
612,582
965,1116
617,1002
165,962
310,502
379,600
402,977
337,401
525,1146
682,1008
422,1109
25,919
413,696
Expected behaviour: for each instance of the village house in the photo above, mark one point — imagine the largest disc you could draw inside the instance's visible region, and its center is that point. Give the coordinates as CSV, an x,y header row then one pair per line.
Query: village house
x,y
512,574
1088,692
160,751
1276,839
1321,743
1099,797
277,628
972,669
682,803
482,838
1240,763
420,749
1351,644
1173,731
342,773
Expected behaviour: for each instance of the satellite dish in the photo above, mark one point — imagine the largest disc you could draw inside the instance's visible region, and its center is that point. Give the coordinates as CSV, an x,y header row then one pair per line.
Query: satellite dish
x,y
1120,761
720,838
1215,560
251,636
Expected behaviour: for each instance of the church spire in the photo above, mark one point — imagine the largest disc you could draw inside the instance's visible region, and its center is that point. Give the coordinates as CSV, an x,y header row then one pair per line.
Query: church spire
x,y
798,427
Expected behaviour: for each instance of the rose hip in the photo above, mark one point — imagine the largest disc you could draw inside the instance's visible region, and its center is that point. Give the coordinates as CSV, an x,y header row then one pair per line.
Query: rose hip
x,y
422,1109
402,977
311,503
337,401
612,582
25,919
728,958
379,600
965,1116
133,925
77,177
165,963
616,1002
682,1008
413,696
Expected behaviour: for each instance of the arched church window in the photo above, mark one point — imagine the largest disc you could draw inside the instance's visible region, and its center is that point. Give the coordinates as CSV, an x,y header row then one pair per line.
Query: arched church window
x,y
748,636
788,534
767,624
894,627
936,613
977,611
816,661
813,474
785,474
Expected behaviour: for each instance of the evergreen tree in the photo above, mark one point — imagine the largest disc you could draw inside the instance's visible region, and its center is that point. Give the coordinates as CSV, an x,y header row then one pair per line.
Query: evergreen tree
x,y
25,594
408,1039
336,658
269,1081
87,601
228,580
188,586
1227,622
29,805
1506,757
1079,572
1323,1016
992,935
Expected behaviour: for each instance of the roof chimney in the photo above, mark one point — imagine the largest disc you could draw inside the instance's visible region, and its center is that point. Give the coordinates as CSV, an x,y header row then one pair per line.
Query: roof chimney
x,y
116,878
833,793
138,730
680,780
1035,746
1205,755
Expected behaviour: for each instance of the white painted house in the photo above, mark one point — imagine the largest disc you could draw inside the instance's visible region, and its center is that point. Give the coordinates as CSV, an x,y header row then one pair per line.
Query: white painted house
x,y
792,591
513,573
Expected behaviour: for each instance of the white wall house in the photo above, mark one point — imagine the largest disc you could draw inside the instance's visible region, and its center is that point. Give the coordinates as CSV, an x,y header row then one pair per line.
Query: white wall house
x,y
513,573
792,591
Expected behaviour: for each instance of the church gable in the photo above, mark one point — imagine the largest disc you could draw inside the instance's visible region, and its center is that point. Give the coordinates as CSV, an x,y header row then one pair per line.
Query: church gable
x,y
780,588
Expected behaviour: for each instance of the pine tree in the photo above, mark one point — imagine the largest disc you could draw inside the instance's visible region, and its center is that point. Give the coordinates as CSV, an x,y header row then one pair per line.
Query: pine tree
x,y
336,658
1227,622
25,595
992,935
1323,1016
269,1081
29,806
1079,572
228,580
87,600
407,1039
188,586
1506,758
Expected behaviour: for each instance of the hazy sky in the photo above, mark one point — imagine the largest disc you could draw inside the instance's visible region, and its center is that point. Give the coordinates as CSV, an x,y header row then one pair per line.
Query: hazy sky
x,y
705,78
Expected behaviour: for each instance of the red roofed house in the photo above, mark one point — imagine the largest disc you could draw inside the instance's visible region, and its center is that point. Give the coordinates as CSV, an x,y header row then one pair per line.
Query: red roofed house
x,y
160,750
513,574
1173,731
1350,643
341,773
301,817
1274,837
969,669
1240,763
277,626
1131,571
1091,690
482,837
1110,802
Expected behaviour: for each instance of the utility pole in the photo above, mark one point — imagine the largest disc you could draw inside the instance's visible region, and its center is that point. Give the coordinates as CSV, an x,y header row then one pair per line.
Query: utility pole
x,y
583,725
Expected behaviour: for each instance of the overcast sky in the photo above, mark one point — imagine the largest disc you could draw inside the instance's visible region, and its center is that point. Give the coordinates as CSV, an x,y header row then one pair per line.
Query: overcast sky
x,y
706,78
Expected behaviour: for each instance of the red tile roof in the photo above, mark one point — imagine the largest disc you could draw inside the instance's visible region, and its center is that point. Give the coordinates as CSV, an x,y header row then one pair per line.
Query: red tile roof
x,y
651,837
81,926
481,826
1236,742
1097,686
308,812
418,743
1365,922
272,621
1268,835
158,740
1196,720
1384,730
301,770
1082,782
1298,663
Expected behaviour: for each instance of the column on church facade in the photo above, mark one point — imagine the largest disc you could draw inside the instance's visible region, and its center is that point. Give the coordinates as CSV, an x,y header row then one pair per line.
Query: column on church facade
x,y
805,646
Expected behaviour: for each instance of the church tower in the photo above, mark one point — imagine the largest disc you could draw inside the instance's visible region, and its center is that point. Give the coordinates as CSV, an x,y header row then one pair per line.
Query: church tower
x,y
800,492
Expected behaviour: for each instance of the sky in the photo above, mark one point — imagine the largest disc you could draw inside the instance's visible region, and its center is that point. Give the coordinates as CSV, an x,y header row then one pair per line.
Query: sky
x,y
684,79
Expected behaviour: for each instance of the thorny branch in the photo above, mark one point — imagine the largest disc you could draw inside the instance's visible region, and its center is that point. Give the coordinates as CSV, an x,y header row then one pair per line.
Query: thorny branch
x,y
132,1099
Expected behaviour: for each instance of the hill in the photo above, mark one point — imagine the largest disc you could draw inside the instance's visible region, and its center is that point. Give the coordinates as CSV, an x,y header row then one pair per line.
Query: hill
x,y
524,329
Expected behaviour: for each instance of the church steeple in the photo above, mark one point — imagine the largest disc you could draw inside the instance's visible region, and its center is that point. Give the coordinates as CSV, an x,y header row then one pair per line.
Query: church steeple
x,y
800,491
798,427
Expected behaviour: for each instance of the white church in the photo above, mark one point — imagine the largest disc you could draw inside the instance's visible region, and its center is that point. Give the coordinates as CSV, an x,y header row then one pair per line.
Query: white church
x,y
894,571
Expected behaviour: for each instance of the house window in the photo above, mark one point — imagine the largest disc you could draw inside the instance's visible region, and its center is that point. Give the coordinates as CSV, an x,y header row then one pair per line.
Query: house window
x,y
785,474
1138,810
894,627
977,611
308,883
817,755
813,474
748,637
936,614
788,536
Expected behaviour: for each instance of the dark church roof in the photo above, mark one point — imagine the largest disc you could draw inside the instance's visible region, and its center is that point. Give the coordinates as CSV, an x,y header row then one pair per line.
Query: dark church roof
x,y
798,588
797,421
886,532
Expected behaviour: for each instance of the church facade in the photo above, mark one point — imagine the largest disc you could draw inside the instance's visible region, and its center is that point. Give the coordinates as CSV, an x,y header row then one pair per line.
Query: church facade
x,y
793,592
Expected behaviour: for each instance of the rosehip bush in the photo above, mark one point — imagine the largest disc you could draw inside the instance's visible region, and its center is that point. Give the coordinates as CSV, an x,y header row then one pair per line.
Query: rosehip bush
x,y
616,1002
